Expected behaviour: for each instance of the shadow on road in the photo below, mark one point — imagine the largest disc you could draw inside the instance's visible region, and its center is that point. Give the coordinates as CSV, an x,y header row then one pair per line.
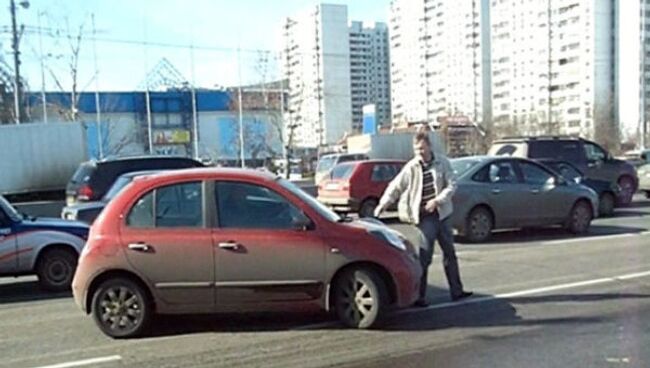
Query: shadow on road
x,y
27,291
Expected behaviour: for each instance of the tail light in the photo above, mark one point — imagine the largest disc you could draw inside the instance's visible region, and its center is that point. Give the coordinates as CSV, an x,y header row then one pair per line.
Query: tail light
x,y
345,186
85,193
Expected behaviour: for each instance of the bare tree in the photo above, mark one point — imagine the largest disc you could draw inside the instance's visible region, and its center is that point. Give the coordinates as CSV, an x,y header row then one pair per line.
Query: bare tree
x,y
606,129
67,39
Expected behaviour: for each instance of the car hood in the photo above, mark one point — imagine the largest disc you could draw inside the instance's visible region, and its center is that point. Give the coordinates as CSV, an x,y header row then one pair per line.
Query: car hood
x,y
84,206
56,224
371,224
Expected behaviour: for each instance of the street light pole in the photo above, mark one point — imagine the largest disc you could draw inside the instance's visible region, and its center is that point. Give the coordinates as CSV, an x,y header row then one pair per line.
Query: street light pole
x,y
16,49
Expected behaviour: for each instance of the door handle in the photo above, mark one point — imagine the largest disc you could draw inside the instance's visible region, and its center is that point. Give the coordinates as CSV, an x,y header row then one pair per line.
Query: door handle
x,y
496,191
534,191
140,247
229,246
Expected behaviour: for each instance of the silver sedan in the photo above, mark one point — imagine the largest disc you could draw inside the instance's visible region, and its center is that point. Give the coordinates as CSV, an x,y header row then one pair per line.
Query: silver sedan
x,y
509,193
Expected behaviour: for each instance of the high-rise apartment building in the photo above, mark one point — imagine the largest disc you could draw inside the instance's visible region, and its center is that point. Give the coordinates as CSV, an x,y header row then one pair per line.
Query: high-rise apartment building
x,y
407,61
369,71
553,67
316,63
334,68
440,59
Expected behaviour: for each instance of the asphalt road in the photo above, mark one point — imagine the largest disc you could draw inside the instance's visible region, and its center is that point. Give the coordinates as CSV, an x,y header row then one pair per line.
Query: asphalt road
x,y
543,299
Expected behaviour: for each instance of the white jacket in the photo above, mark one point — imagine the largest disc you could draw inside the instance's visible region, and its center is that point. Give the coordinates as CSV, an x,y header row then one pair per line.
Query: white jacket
x,y
407,186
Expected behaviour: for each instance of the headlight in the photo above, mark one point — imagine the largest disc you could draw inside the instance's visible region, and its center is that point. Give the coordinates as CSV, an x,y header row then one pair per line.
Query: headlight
x,y
390,237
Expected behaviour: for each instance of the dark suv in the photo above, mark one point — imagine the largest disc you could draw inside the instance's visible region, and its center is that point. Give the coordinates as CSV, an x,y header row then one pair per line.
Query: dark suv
x,y
92,179
591,159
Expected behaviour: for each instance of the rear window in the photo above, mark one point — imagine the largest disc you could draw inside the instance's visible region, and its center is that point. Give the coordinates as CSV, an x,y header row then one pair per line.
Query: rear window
x,y
83,173
326,163
343,171
461,165
517,149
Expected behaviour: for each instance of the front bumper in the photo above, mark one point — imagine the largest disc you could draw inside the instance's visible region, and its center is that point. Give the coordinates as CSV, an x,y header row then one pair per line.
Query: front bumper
x,y
644,181
340,204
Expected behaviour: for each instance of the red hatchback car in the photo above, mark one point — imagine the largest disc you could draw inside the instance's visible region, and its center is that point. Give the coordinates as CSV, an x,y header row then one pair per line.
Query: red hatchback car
x,y
224,240
357,186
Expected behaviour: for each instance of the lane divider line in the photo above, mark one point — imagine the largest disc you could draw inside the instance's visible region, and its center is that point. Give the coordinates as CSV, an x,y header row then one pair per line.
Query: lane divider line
x,y
80,363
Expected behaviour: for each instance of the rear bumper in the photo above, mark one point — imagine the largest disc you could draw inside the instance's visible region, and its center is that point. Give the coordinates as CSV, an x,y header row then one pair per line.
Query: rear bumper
x,y
340,204
644,182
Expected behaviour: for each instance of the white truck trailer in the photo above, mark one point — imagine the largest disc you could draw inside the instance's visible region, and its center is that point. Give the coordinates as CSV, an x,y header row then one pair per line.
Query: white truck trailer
x,y
37,157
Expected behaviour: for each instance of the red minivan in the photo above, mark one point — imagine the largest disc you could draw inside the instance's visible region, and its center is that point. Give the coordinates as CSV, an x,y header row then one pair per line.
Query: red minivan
x,y
356,186
230,240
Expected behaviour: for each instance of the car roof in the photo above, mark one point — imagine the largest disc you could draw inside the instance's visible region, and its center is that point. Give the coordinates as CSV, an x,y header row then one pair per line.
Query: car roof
x,y
141,158
208,173
538,138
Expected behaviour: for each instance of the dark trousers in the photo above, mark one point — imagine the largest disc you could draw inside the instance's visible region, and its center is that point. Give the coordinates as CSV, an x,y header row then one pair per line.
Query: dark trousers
x,y
433,229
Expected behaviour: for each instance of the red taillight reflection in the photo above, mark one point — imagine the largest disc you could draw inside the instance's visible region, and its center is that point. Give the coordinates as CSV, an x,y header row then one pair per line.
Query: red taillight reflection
x,y
85,192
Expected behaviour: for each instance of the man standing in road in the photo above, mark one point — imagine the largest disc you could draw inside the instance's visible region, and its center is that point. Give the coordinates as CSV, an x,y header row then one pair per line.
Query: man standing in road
x,y
425,187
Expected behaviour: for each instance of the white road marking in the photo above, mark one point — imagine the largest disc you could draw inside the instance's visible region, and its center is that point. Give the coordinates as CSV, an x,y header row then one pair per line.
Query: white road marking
x,y
79,363
514,294
592,238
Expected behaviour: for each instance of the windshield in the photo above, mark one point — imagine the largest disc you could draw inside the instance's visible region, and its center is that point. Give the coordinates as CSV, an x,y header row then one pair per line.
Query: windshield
x,y
311,201
326,163
9,209
461,165
119,184
83,173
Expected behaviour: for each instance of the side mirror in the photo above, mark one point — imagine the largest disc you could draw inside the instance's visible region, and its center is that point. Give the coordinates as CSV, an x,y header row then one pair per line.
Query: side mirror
x,y
302,222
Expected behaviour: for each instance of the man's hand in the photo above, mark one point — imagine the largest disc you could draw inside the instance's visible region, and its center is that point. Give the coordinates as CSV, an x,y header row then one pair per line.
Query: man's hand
x,y
378,210
431,205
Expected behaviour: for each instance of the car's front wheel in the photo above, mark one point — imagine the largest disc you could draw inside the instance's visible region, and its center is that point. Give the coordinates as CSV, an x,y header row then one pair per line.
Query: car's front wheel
x,y
360,298
579,218
121,308
55,269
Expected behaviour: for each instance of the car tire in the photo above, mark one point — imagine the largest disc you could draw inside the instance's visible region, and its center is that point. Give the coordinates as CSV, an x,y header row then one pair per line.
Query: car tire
x,y
360,298
122,308
479,225
606,205
580,217
647,194
367,208
627,190
55,269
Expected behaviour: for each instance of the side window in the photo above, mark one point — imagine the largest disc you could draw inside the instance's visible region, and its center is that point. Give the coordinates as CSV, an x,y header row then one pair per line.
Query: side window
x,y
542,149
534,174
594,153
249,206
570,151
168,207
483,175
179,205
141,214
4,220
502,172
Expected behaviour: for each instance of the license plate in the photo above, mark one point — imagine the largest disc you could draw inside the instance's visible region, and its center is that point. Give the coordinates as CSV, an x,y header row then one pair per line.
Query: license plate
x,y
332,186
69,200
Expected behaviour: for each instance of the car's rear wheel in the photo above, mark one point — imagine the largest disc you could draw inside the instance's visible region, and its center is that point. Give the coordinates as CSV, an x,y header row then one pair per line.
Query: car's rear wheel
x,y
479,225
121,308
627,190
367,208
579,218
360,298
606,205
55,269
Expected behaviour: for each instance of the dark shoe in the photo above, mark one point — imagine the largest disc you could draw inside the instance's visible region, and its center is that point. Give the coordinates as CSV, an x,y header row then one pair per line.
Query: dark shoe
x,y
421,303
463,295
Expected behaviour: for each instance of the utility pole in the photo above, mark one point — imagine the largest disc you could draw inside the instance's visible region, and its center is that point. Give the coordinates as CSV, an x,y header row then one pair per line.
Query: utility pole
x,y
40,47
16,48
98,110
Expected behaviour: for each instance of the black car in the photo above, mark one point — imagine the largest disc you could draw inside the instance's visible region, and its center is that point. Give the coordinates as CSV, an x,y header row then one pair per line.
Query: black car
x,y
92,179
609,193
88,211
591,159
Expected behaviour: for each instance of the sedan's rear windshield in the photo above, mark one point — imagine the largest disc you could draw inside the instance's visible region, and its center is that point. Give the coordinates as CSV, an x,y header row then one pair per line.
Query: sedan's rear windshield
x,y
82,175
343,171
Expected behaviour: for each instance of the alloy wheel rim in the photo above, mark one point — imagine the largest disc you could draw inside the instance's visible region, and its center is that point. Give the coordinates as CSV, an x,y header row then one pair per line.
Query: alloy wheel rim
x,y
120,309
58,271
358,300
581,218
480,225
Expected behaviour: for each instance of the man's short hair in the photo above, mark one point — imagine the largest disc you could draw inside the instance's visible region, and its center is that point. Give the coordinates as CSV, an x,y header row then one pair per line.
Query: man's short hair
x,y
422,137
